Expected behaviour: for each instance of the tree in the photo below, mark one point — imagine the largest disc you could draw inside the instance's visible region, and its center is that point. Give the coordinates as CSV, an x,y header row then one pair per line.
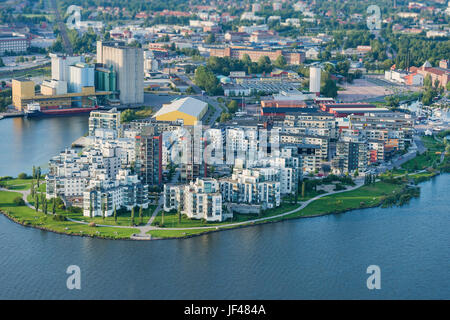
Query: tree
x,y
18,201
141,217
54,206
45,205
427,82
190,90
356,173
103,210
115,214
132,216
36,203
224,117
32,188
303,189
90,206
280,61
205,79
210,39
22,175
233,106
179,214
2,64
246,59
162,218
264,64
329,89
38,175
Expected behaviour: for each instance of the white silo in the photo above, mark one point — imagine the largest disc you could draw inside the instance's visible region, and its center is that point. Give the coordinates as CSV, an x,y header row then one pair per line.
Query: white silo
x,y
314,80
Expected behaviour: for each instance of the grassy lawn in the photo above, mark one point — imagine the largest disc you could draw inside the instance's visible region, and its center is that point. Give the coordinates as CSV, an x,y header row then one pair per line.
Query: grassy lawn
x,y
171,219
27,216
123,218
18,184
363,197
177,233
428,158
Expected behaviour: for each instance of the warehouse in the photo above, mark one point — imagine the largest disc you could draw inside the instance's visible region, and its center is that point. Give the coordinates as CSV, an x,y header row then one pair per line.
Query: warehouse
x,y
186,110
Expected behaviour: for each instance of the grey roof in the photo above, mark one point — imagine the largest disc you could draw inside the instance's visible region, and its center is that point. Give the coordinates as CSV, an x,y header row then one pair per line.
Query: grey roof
x,y
186,105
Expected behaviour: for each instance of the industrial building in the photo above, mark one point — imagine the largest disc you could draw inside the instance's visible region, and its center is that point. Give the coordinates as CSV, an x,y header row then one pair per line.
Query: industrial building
x,y
52,98
72,89
128,63
186,110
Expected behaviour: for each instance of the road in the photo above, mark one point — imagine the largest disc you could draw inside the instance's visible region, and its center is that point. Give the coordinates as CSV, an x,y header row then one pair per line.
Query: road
x,y
62,28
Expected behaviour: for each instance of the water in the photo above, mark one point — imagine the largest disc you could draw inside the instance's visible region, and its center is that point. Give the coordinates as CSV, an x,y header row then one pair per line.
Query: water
x,y
28,142
324,257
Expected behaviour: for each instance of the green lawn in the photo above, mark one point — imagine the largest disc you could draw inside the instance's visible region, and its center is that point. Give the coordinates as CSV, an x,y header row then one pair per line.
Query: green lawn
x,y
17,184
428,158
177,233
363,197
123,218
171,219
27,216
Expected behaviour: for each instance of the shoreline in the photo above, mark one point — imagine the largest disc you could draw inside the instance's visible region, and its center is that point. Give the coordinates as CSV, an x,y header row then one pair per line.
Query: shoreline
x,y
207,230
194,232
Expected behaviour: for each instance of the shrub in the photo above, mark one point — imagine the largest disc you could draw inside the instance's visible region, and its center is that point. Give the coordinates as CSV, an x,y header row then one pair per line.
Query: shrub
x,y
59,217
92,224
18,201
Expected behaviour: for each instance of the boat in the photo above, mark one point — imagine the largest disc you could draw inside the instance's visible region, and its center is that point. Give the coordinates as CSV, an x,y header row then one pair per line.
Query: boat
x,y
34,110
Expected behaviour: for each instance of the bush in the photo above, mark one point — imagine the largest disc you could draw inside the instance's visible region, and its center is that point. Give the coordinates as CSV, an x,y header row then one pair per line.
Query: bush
x,y
74,209
59,217
92,224
18,201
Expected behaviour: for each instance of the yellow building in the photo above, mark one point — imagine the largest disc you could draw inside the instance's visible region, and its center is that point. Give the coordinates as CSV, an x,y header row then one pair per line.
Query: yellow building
x,y
22,90
187,110
23,93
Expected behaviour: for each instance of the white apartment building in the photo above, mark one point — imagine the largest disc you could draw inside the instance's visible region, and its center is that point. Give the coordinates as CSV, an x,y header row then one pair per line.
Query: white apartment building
x,y
252,186
202,200
103,194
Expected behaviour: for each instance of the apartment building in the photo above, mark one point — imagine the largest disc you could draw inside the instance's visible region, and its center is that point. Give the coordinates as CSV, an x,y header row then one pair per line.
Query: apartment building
x,y
202,200
105,195
104,120
259,186
292,57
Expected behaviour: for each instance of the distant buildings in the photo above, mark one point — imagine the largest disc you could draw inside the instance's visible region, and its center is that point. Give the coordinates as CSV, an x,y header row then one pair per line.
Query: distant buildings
x,y
13,42
441,74
292,57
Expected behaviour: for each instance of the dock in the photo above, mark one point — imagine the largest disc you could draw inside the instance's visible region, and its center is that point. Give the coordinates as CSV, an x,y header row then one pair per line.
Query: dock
x,y
4,115
82,142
